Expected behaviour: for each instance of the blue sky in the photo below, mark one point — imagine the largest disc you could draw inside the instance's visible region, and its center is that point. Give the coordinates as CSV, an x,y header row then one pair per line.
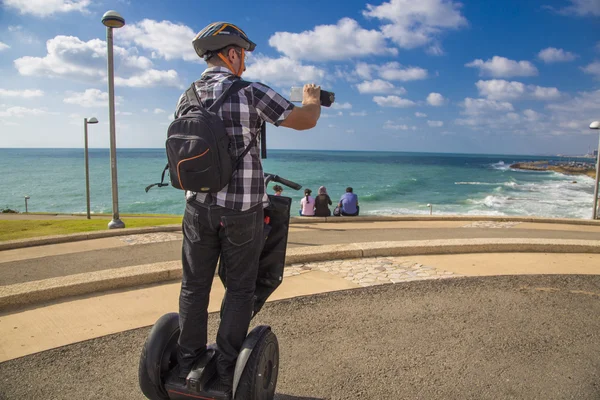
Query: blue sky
x,y
512,76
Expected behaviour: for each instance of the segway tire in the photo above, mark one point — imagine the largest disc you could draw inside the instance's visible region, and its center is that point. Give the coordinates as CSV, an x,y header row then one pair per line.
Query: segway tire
x,y
259,379
159,355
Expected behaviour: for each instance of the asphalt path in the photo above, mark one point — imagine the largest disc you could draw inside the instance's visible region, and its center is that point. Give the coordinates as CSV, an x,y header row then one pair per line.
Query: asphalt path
x,y
81,262
506,337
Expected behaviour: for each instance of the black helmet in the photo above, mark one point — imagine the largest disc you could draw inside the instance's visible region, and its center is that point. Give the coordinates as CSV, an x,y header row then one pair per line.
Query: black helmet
x,y
219,35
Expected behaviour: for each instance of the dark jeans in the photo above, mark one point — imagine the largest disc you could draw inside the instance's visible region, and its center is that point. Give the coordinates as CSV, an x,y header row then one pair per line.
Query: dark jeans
x,y
235,236
351,215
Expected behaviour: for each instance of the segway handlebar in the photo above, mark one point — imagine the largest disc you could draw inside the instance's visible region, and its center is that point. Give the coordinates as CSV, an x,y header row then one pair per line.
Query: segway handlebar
x,y
276,178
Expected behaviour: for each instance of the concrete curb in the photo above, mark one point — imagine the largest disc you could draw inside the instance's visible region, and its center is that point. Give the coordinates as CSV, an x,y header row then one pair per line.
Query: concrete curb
x,y
22,294
46,240
76,237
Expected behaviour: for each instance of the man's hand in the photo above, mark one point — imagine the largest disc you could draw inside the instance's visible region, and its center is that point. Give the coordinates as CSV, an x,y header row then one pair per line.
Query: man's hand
x,y
306,117
311,94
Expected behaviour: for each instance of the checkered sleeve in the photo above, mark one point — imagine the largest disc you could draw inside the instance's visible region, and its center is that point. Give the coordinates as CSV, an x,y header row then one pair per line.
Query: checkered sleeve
x,y
270,105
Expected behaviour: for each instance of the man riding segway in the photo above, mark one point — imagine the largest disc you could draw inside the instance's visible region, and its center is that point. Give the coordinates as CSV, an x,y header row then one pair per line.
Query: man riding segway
x,y
226,224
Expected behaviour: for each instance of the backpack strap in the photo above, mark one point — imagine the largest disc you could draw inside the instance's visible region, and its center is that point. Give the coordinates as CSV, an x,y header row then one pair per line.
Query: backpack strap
x,y
235,87
162,180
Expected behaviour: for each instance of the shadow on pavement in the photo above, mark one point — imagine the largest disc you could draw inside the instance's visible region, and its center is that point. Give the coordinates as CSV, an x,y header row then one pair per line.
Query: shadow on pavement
x,y
279,396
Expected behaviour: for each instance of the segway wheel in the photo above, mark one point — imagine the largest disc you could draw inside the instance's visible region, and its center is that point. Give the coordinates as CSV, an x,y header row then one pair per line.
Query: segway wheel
x,y
159,355
259,379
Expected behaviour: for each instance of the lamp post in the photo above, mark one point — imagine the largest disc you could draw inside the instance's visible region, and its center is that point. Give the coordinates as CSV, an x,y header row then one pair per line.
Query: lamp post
x,y
430,209
112,19
26,198
596,125
92,120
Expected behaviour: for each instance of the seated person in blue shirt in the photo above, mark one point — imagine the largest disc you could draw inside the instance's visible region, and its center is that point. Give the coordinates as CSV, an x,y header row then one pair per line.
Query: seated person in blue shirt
x,y
349,203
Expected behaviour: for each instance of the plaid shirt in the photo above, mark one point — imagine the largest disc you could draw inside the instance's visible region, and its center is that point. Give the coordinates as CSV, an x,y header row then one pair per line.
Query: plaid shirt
x,y
243,113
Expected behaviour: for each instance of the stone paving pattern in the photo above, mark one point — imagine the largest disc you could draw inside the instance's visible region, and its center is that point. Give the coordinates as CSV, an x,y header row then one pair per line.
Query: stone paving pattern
x,y
372,271
158,237
491,224
144,238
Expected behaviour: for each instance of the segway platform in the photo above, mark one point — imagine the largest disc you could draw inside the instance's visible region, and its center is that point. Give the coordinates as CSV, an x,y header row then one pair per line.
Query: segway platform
x,y
255,374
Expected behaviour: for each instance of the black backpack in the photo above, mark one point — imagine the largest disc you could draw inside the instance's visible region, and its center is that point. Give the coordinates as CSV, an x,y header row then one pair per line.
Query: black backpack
x,y
199,154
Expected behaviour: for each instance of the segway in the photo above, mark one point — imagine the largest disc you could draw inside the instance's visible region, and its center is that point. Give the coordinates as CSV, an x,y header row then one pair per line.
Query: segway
x,y
257,366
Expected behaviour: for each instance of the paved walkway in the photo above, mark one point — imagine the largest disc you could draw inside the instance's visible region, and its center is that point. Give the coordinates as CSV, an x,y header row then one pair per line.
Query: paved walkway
x,y
43,262
510,337
41,327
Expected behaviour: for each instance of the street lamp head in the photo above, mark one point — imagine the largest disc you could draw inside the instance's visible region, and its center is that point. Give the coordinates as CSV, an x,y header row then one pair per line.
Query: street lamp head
x,y
92,120
112,19
27,197
595,125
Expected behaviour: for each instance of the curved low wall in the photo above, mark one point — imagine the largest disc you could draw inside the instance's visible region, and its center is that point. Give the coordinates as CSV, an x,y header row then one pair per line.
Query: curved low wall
x,y
50,289
46,240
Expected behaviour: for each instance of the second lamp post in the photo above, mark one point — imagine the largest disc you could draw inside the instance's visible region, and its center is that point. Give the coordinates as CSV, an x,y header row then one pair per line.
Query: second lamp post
x,y
112,19
87,166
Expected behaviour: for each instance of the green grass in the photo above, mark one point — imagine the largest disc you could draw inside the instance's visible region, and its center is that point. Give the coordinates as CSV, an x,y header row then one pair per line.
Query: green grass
x,y
28,228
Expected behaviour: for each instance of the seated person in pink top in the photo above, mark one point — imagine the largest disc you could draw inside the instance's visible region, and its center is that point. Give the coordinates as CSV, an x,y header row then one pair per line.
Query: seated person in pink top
x,y
307,204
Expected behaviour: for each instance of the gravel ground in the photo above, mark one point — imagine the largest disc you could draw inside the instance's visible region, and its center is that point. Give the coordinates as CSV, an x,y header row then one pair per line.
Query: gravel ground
x,y
509,337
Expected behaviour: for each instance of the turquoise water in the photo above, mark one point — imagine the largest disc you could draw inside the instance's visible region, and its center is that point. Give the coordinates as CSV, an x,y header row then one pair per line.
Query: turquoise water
x,y
386,183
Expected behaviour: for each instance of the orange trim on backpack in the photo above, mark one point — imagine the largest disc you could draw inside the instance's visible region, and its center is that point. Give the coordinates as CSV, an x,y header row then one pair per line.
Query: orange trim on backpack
x,y
187,159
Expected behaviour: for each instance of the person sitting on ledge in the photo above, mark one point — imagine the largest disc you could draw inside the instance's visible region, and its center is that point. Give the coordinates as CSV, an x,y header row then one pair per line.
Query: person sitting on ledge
x,y
349,203
322,203
307,204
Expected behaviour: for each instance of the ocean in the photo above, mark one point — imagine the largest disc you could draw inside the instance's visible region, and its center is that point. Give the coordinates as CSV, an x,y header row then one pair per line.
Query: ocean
x,y
387,183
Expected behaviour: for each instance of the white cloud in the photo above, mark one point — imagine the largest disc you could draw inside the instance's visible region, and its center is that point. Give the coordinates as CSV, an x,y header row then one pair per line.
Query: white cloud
x,y
394,72
158,111
552,54
341,106
391,125
435,50
393,101
580,8
21,35
364,70
531,115
499,89
344,40
569,116
379,86
90,98
282,71
499,67
544,93
44,8
20,112
420,115
331,126
350,131
358,114
435,99
70,57
416,23
4,46
27,93
480,106
435,124
164,39
593,69
151,78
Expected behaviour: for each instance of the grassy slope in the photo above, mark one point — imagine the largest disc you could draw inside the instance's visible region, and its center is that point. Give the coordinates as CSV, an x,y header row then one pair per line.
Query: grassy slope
x,y
21,229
